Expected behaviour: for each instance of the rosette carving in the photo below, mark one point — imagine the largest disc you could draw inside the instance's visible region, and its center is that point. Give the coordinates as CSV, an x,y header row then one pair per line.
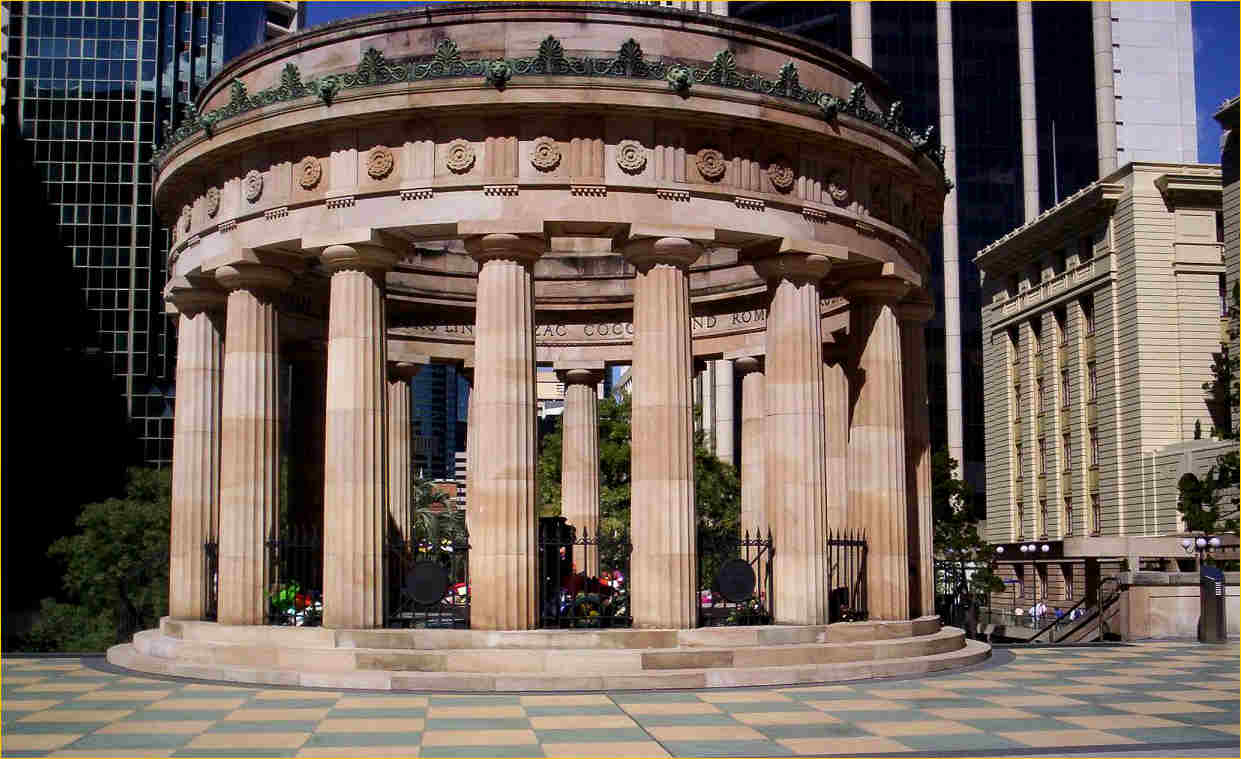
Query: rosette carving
x,y
185,218
546,154
379,162
710,163
460,156
309,172
836,187
213,202
252,185
630,156
781,175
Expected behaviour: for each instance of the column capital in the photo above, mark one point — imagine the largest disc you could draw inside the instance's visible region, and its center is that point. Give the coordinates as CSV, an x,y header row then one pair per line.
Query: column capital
x,y
506,246
374,259
883,289
253,276
403,371
588,377
646,253
917,308
799,261
192,298
748,364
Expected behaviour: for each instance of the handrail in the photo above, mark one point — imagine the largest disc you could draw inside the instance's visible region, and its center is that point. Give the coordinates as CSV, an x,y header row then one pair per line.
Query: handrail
x,y
1102,606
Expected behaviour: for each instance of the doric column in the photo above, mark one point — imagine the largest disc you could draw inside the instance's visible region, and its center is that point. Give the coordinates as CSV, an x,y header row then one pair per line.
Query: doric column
x,y
914,315
249,438
753,473
724,441
354,493
1029,110
195,445
836,441
793,433
877,444
952,243
502,457
400,461
1104,85
579,463
665,556
859,27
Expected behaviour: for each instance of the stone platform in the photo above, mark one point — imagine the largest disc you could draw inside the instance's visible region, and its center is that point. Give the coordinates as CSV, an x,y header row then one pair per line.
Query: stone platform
x,y
548,660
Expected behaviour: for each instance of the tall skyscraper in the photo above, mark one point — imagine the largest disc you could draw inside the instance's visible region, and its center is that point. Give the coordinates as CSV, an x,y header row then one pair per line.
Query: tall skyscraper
x,y
93,84
1033,101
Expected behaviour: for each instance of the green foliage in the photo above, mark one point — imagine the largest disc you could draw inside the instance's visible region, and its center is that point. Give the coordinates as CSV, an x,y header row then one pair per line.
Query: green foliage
x,y
949,495
1201,501
956,533
116,570
434,516
1224,391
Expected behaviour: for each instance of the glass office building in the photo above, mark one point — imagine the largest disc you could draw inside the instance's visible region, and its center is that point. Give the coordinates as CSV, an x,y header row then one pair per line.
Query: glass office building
x,y
92,85
439,409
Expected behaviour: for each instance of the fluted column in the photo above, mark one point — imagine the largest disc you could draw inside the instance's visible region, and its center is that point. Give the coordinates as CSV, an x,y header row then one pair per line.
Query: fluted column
x,y
724,388
1029,109
663,526
914,315
859,27
579,464
753,474
794,452
1104,85
501,515
249,439
354,492
877,445
836,443
195,447
400,461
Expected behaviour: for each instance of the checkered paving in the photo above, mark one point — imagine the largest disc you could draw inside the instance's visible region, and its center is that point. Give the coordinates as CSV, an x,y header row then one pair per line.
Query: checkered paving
x,y
1148,696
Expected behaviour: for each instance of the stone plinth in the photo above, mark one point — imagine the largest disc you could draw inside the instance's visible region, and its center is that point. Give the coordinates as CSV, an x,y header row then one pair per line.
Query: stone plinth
x,y
877,445
753,474
664,563
793,434
195,447
249,439
579,463
501,513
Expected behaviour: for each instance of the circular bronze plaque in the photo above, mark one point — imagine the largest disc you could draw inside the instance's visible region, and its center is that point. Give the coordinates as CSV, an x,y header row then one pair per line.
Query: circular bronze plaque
x,y
736,580
427,581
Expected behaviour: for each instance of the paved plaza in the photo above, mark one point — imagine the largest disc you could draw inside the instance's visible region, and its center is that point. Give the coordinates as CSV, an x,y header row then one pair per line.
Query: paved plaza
x,y
1163,698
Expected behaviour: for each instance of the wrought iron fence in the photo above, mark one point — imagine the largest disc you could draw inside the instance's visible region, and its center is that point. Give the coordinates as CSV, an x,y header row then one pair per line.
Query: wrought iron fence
x,y
846,577
295,573
211,580
735,579
583,579
427,583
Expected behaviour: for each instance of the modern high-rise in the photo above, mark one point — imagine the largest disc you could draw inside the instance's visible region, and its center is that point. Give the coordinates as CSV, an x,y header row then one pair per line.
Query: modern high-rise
x,y
1032,102
92,85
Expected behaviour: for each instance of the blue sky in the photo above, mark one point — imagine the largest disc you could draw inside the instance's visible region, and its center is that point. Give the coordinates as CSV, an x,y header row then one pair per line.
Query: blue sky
x,y
1216,56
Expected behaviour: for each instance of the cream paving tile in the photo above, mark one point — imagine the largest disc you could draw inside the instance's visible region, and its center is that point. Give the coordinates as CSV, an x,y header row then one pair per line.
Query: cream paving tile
x,y
1060,738
1164,707
912,693
1196,694
582,722
247,740
381,702
605,749
371,725
435,711
294,695
970,684
1076,690
686,707
1034,699
917,727
997,712
699,732
785,718
55,686
813,746
479,738
20,679
857,705
113,752
30,704
153,727
1119,721
198,704
1114,680
123,695
818,689
569,699
363,751
743,697
249,714
77,715
38,741
1230,729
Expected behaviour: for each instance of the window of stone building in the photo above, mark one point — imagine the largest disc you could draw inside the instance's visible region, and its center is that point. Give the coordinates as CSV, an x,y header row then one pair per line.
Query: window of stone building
x,y
1040,582
1042,456
1068,517
1041,530
1017,460
1066,571
1017,402
1096,514
1085,248
1066,453
1064,388
1092,383
1019,571
1094,446
1038,396
1087,317
1062,332
1223,296
1014,285
1057,262
1021,520
1036,336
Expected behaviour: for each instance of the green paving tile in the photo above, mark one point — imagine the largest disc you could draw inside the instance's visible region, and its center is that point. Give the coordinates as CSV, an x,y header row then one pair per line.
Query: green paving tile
x,y
675,720
175,715
110,704
472,751
1014,725
438,700
875,715
979,742
33,695
831,695
725,748
108,741
297,703
1072,710
43,728
265,726
482,723
25,753
572,711
1204,718
375,713
764,706
839,730
1189,734
336,740
196,752
592,736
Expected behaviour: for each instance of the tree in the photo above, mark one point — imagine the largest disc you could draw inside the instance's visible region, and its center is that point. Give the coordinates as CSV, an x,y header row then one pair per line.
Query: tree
x,y
434,517
966,559
1200,501
116,570
1224,391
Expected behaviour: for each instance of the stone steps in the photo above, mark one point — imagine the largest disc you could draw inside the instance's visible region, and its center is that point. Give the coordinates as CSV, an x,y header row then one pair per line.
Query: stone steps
x,y
968,652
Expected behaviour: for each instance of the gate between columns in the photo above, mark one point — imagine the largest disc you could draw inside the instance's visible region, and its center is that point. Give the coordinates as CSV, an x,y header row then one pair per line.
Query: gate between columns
x,y
846,577
583,580
427,583
735,579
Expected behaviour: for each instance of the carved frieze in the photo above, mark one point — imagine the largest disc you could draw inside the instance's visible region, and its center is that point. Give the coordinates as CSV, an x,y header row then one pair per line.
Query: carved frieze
x,y
460,156
781,174
213,202
545,155
252,185
630,156
836,187
710,164
379,162
309,172
185,218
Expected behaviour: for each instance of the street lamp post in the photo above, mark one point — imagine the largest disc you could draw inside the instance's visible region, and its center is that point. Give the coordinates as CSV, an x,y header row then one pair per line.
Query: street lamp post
x,y
1211,624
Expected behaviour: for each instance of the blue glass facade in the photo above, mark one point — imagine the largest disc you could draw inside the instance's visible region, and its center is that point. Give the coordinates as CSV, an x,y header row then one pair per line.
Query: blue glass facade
x,y
439,409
